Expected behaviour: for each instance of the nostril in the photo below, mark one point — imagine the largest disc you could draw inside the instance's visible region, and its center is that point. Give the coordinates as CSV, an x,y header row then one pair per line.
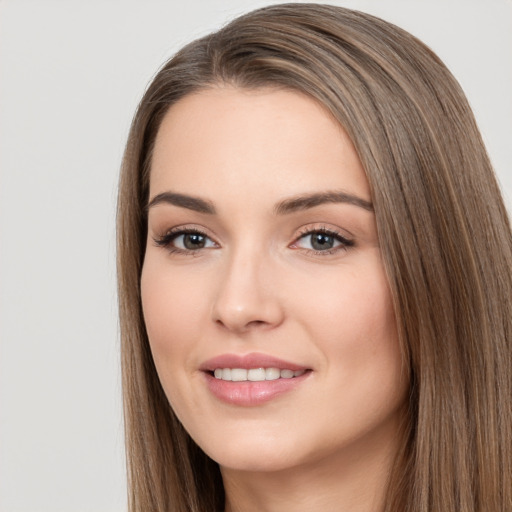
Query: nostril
x,y
242,325
237,311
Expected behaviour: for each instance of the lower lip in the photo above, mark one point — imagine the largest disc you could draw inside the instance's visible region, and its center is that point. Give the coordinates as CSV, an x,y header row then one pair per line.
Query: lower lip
x,y
249,393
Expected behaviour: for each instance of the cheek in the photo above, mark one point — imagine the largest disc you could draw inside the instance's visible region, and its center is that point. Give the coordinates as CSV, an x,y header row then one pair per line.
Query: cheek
x,y
355,306
353,323
363,376
173,308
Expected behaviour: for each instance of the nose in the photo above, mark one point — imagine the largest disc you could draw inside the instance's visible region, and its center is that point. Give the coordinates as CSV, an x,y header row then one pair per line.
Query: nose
x,y
247,295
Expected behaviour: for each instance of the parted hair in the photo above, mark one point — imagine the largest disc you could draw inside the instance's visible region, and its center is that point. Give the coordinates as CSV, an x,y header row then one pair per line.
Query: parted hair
x,y
444,235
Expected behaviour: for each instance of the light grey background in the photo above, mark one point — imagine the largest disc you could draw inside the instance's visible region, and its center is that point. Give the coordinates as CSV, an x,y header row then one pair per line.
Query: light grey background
x,y
71,74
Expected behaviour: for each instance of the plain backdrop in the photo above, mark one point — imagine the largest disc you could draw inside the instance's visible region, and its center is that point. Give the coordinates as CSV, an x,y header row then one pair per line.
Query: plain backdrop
x,y
71,75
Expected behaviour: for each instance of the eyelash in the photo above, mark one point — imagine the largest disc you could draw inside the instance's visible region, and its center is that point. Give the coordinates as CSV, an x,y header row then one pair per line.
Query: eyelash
x,y
345,243
168,238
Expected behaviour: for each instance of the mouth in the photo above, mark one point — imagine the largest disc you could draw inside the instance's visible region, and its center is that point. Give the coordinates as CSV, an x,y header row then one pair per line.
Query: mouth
x,y
255,374
251,379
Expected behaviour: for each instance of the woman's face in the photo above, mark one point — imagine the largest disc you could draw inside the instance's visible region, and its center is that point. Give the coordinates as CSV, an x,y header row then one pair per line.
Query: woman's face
x,y
265,299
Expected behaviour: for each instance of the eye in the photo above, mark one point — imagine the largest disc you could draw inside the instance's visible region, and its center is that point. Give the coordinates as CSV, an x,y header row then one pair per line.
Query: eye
x,y
185,240
192,241
322,241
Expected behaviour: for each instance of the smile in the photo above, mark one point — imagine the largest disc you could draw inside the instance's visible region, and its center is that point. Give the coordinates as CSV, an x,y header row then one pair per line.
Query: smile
x,y
255,374
249,380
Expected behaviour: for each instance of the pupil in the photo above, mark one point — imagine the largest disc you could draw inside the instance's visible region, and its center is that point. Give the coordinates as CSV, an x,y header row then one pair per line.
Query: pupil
x,y
321,241
193,241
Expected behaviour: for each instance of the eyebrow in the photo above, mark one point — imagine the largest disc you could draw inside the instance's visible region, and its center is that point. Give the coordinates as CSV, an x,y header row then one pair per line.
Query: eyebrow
x,y
306,201
184,201
287,206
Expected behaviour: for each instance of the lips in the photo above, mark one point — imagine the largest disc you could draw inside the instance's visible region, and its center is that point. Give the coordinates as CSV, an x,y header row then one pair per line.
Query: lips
x,y
252,379
248,361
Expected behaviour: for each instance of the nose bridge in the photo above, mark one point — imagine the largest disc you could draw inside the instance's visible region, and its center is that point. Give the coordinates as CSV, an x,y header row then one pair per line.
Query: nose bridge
x,y
246,296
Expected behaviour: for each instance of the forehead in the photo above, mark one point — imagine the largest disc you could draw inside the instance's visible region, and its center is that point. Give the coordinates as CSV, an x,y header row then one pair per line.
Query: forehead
x,y
263,140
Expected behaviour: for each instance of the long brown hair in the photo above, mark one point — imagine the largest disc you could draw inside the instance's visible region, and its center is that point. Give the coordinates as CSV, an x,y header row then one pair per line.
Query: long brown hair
x,y
444,235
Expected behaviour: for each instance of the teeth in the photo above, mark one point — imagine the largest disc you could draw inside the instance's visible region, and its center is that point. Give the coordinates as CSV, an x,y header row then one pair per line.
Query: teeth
x,y
238,374
255,374
272,373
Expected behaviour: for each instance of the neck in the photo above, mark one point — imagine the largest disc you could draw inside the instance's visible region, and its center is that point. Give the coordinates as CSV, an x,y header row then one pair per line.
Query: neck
x,y
353,479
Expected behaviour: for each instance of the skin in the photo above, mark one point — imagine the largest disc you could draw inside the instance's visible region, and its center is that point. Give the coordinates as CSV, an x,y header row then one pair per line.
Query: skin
x,y
257,285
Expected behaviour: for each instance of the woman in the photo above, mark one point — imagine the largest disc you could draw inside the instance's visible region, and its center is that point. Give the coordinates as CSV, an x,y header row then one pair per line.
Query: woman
x,y
314,277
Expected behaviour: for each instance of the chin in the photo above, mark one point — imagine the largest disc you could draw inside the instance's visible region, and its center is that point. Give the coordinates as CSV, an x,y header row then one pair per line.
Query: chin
x,y
257,462
254,454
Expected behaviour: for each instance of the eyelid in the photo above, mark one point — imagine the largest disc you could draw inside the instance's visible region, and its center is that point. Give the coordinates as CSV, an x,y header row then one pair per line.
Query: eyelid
x,y
344,242
165,240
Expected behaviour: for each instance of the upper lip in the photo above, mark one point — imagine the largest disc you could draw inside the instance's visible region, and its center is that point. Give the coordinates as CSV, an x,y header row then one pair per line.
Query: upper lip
x,y
247,361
